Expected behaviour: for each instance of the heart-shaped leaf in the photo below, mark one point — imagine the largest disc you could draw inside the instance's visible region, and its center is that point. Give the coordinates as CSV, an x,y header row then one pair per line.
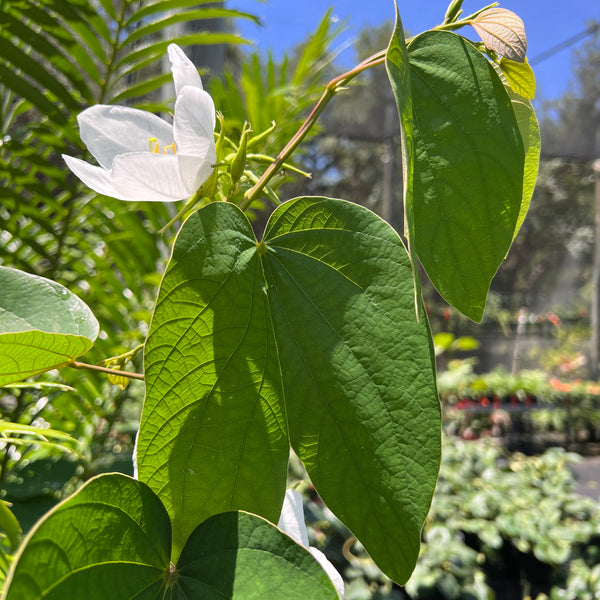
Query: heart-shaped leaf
x,y
42,325
313,330
112,539
502,31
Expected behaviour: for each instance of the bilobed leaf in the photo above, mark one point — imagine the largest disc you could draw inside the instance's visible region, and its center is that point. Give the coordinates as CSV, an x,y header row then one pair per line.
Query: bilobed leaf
x,y
112,539
42,325
502,31
469,165
313,328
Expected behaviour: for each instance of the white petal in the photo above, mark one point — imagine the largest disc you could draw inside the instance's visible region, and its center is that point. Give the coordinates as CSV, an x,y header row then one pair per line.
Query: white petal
x,y
194,121
292,522
193,128
194,171
331,571
94,177
108,131
148,177
184,71
292,517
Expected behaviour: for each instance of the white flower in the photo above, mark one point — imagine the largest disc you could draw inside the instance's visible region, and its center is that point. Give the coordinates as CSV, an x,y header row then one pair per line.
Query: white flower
x,y
141,156
292,522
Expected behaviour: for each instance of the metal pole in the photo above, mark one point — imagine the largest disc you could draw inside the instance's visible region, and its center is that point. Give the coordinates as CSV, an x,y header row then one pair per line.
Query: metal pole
x,y
595,312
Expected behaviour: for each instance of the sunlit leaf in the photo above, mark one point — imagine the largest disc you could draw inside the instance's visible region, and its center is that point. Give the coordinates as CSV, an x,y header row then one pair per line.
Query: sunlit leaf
x,y
42,325
520,77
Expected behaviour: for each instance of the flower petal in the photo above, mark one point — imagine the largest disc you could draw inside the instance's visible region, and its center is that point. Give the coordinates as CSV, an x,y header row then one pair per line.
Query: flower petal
x,y
184,70
292,517
331,571
193,128
292,522
194,121
148,177
108,131
94,177
194,172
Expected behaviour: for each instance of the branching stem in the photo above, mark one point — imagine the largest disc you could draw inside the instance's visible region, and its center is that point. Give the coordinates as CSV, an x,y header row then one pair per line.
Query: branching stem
x,y
330,90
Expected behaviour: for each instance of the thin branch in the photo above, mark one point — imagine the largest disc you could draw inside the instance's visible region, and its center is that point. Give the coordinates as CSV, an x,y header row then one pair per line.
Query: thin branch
x,y
107,370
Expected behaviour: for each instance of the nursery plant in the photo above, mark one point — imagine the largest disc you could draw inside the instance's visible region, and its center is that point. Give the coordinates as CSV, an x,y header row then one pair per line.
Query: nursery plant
x,y
310,335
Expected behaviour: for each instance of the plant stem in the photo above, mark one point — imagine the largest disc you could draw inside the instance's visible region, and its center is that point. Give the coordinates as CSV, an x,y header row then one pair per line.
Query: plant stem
x,y
330,90
463,22
107,370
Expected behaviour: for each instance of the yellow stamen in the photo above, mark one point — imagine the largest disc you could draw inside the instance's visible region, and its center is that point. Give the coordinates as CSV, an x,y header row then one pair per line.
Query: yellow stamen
x,y
154,146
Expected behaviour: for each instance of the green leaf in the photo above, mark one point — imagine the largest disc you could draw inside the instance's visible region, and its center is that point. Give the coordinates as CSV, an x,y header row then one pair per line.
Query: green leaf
x,y
397,65
357,368
42,325
112,539
332,284
241,556
520,77
10,525
171,18
530,134
468,184
113,534
213,434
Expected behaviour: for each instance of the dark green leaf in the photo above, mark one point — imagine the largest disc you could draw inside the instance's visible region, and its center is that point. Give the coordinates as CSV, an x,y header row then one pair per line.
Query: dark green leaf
x,y
111,539
25,89
241,556
357,368
396,62
469,167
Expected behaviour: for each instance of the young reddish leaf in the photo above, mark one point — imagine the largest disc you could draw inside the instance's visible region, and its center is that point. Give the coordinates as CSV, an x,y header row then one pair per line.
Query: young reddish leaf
x,y
503,32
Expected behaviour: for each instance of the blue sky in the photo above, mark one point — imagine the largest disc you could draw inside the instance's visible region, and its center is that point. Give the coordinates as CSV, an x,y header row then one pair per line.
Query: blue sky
x,y
547,22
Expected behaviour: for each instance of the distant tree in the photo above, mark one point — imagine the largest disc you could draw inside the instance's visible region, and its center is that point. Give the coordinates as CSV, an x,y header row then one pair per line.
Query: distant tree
x,y
571,126
554,248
